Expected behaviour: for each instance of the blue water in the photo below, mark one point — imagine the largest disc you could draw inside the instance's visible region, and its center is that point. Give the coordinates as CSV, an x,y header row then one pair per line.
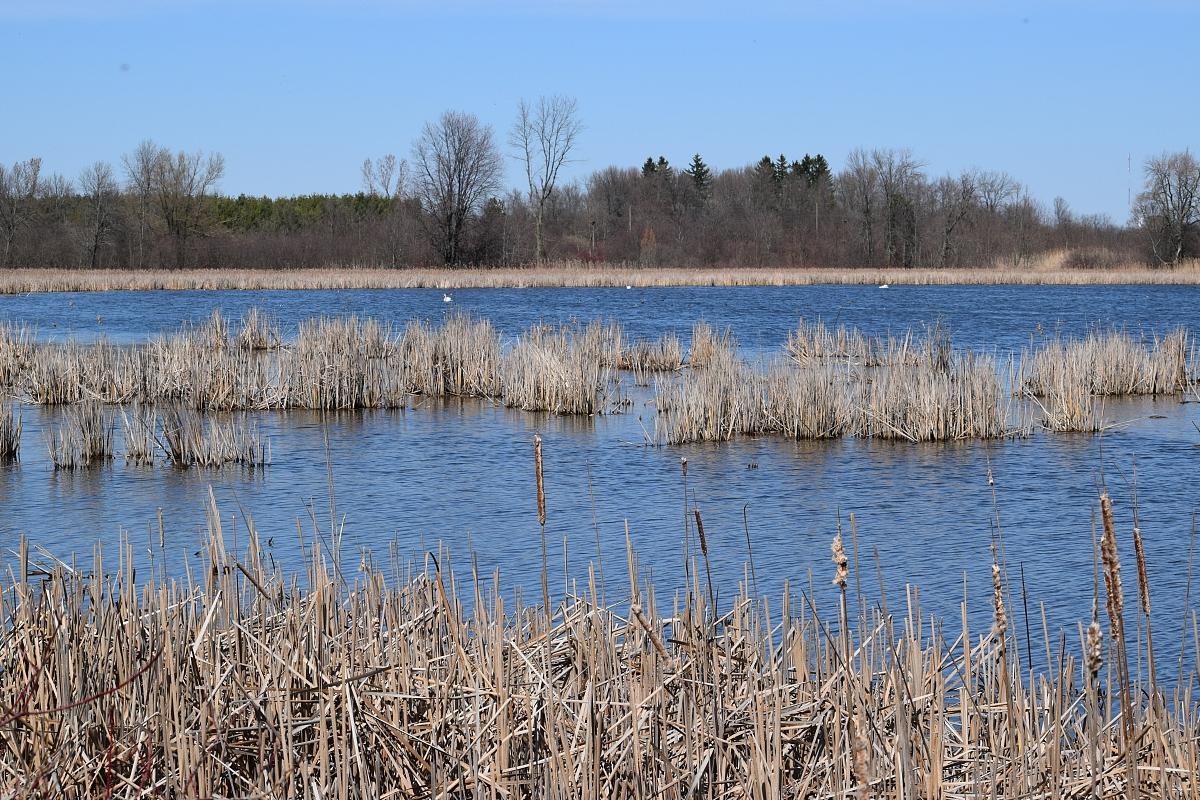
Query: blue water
x,y
460,473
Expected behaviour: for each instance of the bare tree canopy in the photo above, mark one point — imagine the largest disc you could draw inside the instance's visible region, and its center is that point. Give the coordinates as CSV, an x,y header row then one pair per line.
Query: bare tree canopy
x,y
99,187
175,187
1168,209
543,136
457,167
386,176
19,187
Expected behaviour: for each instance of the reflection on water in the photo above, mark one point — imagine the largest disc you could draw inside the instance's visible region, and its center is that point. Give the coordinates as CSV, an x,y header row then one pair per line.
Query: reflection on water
x,y
460,471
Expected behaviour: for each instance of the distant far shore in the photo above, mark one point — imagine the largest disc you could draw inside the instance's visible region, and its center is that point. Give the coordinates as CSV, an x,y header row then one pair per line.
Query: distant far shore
x,y
22,281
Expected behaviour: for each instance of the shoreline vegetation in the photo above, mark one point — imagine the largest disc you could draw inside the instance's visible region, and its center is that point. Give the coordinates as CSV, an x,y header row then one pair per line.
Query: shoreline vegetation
x,y
239,681
823,383
1048,272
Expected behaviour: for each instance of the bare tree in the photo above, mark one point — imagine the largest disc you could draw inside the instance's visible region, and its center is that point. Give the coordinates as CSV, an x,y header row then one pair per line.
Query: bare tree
x,y
1168,209
19,188
385,177
182,183
898,171
860,185
457,167
996,190
176,187
388,178
954,197
543,136
139,177
99,189
1064,219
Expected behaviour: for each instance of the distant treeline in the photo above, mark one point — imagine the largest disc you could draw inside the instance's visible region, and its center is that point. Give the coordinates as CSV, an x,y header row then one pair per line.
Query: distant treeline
x,y
880,209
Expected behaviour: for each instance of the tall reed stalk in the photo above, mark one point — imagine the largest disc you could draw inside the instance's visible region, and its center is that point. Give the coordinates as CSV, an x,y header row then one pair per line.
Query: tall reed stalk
x,y
10,434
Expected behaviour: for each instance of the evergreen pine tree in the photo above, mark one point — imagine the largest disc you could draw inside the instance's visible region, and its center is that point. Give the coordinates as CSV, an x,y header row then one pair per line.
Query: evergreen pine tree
x,y
701,177
780,168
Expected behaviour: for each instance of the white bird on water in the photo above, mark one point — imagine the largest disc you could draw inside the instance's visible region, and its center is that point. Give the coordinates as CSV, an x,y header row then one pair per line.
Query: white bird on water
x,y
884,286
446,298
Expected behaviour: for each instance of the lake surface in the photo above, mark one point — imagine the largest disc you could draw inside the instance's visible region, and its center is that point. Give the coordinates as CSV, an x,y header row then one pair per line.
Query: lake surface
x,y
460,472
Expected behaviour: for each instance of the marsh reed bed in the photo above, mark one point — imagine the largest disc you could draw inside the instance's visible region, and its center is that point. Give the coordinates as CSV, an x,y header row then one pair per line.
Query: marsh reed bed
x,y
825,382
1068,378
82,438
238,681
1053,269
839,383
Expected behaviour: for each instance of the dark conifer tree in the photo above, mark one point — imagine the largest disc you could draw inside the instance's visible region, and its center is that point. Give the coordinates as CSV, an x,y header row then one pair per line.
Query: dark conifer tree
x,y
701,177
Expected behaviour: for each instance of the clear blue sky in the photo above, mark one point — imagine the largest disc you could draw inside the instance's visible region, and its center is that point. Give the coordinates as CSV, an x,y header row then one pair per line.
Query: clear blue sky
x,y
296,94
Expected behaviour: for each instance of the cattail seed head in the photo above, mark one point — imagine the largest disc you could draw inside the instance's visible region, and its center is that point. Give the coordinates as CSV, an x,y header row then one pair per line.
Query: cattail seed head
x,y
1000,621
700,531
1143,578
1093,658
1112,566
541,487
839,559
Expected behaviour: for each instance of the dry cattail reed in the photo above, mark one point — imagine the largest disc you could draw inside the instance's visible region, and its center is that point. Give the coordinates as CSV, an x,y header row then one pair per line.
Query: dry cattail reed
x,y
842,564
541,486
999,613
1116,613
1094,657
1112,567
860,763
1139,551
541,511
10,434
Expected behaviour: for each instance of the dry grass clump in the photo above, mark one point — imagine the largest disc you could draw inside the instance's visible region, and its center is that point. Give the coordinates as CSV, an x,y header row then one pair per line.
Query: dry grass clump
x,y
459,358
83,437
338,364
213,332
188,441
258,332
139,427
926,401
643,357
10,434
1066,378
714,403
1067,402
564,369
814,342
240,683
709,345
815,403
930,404
16,346
53,375
1110,363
